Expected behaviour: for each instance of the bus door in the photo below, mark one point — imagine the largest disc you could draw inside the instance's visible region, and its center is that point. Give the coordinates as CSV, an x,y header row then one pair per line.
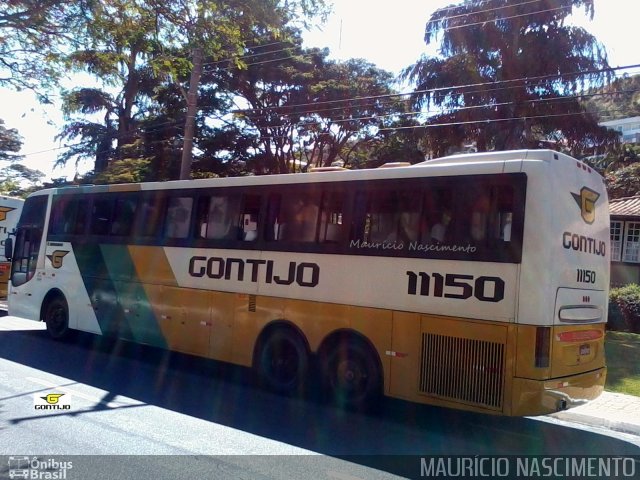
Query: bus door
x,y
26,255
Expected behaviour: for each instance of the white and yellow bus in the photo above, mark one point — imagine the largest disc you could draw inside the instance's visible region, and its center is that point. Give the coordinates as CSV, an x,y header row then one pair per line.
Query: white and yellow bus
x,y
10,208
473,281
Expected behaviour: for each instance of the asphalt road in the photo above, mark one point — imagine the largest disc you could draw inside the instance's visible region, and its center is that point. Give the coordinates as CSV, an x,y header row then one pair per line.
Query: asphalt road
x,y
174,416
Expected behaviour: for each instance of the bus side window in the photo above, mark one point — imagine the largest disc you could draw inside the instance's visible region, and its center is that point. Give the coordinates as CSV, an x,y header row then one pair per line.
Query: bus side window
x,y
408,216
218,217
178,217
69,216
294,217
488,211
149,217
504,212
438,214
101,216
125,210
331,226
249,217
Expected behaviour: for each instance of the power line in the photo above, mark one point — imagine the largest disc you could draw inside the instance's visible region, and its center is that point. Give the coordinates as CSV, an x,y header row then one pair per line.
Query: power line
x,y
477,12
459,109
396,114
449,88
370,104
294,47
466,25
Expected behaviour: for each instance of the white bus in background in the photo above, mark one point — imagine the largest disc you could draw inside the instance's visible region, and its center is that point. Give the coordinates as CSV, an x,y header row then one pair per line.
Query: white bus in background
x,y
10,209
475,281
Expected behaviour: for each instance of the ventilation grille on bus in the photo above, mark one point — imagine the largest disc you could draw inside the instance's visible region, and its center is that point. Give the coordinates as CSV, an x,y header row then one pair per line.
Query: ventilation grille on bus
x,y
465,370
252,303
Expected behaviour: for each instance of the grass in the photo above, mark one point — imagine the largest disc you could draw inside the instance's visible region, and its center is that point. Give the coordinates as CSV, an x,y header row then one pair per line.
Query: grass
x,y
623,362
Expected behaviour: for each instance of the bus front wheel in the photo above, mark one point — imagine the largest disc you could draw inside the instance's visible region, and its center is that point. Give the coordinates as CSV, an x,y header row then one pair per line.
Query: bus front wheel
x,y
56,316
283,363
351,376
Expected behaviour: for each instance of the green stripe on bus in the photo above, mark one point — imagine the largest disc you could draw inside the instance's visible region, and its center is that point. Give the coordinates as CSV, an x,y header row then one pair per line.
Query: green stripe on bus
x,y
132,298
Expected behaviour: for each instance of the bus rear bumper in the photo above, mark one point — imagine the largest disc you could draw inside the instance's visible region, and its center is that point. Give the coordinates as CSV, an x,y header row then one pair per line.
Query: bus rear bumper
x,y
540,397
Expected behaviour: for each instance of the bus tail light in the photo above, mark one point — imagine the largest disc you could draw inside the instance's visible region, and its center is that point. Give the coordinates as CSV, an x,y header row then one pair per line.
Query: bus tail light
x,y
543,346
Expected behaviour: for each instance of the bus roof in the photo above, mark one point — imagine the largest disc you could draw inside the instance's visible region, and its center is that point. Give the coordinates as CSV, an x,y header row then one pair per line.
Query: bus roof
x,y
477,163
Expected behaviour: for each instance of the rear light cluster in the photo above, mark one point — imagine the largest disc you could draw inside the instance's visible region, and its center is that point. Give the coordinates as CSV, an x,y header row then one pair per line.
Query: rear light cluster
x,y
580,336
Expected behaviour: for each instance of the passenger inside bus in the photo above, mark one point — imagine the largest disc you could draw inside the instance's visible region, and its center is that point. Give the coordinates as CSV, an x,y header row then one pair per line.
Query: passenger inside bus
x,y
298,221
439,230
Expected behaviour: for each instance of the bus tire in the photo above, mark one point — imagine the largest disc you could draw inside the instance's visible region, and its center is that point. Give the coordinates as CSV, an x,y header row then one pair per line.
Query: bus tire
x,y
56,317
282,363
351,376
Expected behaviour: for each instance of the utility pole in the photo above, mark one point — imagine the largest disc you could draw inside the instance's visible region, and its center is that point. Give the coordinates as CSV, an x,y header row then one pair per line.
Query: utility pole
x,y
192,109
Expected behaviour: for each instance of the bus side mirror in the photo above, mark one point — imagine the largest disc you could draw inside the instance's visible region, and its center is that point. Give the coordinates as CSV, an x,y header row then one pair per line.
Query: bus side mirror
x,y
8,248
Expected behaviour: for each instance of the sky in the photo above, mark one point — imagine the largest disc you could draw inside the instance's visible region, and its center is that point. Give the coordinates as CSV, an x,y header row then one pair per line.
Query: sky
x,y
388,33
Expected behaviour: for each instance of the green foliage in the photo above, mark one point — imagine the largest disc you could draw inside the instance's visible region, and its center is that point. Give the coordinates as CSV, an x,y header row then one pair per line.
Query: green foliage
x,y
10,143
624,182
131,170
298,108
619,99
625,308
15,176
501,109
622,351
33,35
141,55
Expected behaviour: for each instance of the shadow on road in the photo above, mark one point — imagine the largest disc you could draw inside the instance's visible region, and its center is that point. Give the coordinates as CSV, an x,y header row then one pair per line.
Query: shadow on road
x,y
225,395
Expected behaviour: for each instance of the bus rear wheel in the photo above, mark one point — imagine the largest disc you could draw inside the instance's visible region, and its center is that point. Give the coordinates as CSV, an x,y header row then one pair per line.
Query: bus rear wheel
x,y
351,376
283,363
56,316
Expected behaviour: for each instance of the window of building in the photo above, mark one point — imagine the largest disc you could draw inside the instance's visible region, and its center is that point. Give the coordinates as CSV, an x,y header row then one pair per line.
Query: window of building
x,y
616,240
632,242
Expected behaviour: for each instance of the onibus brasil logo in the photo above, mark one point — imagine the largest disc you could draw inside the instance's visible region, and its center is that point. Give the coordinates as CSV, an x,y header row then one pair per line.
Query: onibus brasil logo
x,y
37,468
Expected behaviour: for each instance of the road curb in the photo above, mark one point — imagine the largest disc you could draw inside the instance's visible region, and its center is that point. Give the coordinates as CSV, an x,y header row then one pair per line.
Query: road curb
x,y
615,425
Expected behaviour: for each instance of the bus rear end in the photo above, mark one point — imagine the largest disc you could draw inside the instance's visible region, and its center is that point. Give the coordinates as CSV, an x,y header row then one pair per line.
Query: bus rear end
x,y
563,295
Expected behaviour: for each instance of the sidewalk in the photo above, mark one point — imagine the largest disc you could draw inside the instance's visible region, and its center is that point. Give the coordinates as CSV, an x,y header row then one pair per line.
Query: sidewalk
x,y
613,411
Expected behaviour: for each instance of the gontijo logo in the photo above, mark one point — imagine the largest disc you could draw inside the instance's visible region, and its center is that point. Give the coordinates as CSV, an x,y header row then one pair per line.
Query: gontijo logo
x,y
586,200
52,398
51,401
4,211
56,258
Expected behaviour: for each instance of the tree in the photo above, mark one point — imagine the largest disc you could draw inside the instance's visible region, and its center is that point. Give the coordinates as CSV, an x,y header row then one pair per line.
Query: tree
x,y
142,54
306,110
338,127
508,74
624,182
34,35
619,99
122,44
14,176
219,29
